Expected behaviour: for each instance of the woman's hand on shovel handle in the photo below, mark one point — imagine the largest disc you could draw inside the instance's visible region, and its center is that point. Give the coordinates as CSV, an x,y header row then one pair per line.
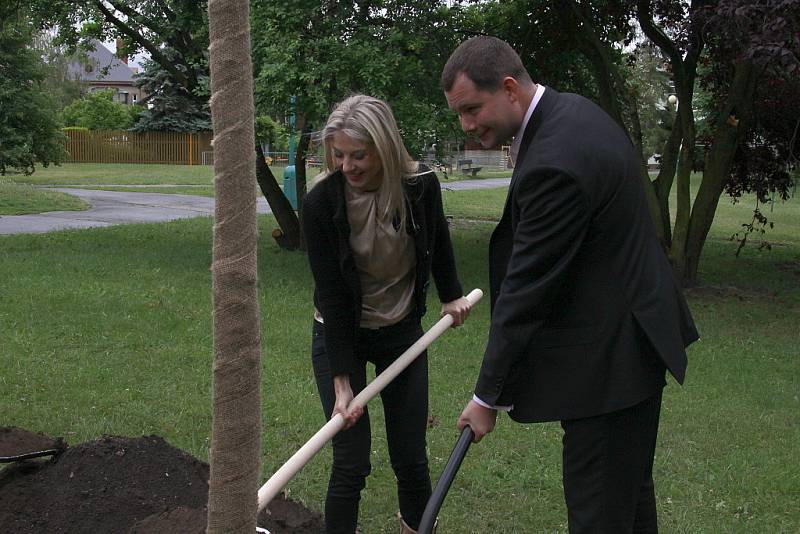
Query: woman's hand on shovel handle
x,y
459,309
479,418
344,396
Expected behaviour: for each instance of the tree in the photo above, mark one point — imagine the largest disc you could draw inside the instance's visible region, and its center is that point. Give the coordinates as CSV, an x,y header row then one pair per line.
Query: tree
x,y
171,106
236,434
741,46
271,133
29,128
98,111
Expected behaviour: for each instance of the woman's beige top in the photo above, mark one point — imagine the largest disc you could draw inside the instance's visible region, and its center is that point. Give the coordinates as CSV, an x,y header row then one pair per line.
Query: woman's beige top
x,y
385,260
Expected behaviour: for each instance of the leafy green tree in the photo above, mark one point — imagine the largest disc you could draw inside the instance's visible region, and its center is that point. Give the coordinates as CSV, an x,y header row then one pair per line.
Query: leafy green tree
x,y
98,111
29,128
171,106
271,133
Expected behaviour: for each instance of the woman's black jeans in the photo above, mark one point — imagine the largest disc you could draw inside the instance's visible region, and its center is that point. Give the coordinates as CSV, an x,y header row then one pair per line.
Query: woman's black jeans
x,y
405,408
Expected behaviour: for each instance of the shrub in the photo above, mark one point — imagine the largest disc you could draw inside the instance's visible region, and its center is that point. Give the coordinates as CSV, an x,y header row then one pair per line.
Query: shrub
x,y
98,111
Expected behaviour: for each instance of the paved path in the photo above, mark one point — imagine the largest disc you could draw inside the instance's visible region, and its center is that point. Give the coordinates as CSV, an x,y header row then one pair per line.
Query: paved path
x,y
121,207
487,183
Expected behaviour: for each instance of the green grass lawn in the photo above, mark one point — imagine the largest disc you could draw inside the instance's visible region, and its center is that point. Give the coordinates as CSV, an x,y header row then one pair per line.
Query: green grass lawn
x,y
124,174
120,174
108,331
153,174
486,205
21,199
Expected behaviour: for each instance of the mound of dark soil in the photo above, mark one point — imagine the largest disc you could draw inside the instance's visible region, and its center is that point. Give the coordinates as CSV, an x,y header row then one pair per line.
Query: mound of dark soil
x,y
117,484
15,442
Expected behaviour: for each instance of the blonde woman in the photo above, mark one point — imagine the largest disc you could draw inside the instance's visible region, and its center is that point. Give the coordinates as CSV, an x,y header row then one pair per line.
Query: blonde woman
x,y
375,231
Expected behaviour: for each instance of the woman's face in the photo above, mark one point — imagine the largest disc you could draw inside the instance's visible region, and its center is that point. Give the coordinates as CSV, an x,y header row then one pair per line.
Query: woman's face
x,y
358,162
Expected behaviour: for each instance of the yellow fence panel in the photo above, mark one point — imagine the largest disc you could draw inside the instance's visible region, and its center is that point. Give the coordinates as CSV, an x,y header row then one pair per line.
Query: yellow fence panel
x,y
120,146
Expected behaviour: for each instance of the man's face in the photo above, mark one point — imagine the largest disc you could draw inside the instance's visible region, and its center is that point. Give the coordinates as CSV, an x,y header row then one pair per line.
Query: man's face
x,y
492,117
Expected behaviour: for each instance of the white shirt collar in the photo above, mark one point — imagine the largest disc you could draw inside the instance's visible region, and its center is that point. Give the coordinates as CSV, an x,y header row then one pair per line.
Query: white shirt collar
x,y
514,150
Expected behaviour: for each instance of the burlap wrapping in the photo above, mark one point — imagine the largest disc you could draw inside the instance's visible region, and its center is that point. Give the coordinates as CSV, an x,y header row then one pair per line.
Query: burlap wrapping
x,y
236,427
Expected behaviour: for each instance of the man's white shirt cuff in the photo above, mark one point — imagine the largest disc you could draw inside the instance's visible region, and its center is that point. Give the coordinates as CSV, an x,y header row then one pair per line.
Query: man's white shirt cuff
x,y
489,406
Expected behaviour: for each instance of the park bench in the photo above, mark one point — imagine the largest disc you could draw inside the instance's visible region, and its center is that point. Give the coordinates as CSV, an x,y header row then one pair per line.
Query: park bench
x,y
465,166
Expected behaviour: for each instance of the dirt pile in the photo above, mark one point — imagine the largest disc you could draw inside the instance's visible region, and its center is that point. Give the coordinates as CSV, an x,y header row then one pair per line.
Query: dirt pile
x,y
117,484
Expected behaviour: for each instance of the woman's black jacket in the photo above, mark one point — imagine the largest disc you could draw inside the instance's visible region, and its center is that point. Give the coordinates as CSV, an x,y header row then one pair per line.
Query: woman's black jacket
x,y
337,292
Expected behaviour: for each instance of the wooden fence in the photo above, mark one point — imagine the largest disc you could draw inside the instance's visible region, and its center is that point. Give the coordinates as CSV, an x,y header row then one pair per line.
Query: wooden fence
x,y
120,146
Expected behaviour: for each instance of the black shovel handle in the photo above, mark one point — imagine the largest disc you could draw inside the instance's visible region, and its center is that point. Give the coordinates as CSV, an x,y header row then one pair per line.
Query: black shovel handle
x,y
29,455
445,480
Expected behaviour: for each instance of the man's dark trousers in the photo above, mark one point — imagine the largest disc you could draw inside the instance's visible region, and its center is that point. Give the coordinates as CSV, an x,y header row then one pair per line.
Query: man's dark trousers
x,y
608,470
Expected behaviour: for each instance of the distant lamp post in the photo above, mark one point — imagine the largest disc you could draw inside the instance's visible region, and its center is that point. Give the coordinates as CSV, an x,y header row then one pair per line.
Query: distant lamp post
x,y
672,99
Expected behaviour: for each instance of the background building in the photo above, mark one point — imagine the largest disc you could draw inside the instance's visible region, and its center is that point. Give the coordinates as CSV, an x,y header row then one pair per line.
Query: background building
x,y
100,69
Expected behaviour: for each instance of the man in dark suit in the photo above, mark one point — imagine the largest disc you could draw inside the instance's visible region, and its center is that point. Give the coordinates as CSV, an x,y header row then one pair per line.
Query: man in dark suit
x,y
586,314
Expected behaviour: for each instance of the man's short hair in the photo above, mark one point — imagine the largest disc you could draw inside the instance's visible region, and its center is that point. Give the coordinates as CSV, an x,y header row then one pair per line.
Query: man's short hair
x,y
486,61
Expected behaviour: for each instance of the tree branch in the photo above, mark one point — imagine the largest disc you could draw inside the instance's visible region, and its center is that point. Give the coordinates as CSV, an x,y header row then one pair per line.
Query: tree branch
x,y
171,16
155,54
607,75
135,15
644,14
178,40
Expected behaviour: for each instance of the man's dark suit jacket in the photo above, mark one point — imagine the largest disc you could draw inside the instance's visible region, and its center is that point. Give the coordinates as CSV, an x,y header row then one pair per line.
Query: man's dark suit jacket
x,y
585,310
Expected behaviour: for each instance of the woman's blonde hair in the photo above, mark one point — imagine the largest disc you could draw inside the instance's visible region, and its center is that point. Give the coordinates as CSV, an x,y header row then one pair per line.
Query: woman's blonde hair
x,y
370,121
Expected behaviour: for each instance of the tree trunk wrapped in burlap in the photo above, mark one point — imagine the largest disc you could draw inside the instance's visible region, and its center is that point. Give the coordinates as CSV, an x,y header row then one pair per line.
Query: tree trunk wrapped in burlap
x,y
236,427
